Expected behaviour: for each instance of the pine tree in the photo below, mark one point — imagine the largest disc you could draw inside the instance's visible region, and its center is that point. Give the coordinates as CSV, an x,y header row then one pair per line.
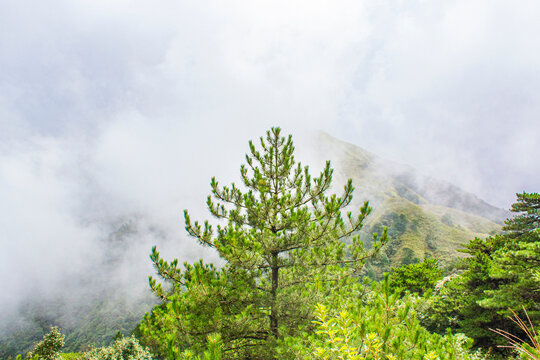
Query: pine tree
x,y
417,278
517,261
282,240
501,273
528,218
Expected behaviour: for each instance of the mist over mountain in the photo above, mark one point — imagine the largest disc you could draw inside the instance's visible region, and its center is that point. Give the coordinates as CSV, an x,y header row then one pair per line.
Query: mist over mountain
x,y
425,216
366,167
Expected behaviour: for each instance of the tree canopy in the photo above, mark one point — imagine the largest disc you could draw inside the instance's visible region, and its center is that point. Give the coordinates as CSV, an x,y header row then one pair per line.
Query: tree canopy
x,y
417,278
516,261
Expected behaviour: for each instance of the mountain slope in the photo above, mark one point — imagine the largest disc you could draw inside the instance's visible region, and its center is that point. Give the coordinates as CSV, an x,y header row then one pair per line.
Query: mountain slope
x,y
425,216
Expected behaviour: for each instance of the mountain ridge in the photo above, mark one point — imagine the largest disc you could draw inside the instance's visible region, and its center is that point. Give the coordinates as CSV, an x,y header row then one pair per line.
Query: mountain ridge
x,y
429,188
426,217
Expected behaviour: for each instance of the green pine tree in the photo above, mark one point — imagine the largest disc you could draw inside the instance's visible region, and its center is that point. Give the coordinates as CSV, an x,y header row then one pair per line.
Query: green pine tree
x,y
417,278
501,273
282,241
517,261
527,219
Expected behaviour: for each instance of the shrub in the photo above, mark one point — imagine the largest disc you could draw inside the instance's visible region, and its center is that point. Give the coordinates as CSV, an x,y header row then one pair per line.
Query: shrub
x,y
377,324
122,349
48,348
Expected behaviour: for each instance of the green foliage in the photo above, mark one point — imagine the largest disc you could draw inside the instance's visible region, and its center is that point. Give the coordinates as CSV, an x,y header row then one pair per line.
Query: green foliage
x,y
375,323
122,349
417,278
528,219
71,356
457,300
48,348
343,339
515,262
280,238
214,351
499,274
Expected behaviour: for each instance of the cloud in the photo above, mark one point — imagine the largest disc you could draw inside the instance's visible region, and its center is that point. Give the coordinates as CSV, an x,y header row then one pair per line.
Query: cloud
x,y
41,239
451,88
125,109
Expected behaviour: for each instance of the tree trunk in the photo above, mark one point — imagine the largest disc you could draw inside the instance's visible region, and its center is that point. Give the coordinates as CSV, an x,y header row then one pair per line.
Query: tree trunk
x,y
273,310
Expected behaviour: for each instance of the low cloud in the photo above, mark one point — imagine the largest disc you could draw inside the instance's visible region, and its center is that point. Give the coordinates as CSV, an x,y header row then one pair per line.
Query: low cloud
x,y
124,110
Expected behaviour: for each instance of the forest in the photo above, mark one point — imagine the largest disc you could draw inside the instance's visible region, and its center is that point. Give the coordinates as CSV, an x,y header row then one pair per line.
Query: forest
x,y
300,279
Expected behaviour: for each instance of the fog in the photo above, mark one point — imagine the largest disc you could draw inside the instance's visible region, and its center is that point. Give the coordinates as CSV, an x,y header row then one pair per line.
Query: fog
x,y
119,110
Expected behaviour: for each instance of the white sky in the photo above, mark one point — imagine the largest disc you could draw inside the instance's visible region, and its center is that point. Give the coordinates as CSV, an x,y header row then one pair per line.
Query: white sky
x,y
116,107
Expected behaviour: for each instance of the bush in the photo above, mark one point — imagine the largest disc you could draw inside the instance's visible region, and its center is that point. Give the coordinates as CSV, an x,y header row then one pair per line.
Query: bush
x,y
48,348
122,349
374,324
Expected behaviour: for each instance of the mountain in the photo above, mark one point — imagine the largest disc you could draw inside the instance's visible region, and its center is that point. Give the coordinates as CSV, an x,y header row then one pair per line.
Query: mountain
x,y
425,216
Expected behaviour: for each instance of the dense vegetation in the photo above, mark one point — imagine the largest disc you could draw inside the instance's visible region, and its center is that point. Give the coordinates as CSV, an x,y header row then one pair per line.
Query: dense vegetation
x,y
500,273
293,281
123,348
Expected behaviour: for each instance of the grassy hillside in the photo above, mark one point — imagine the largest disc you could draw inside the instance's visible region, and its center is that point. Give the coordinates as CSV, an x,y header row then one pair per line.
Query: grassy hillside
x,y
425,216
420,230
